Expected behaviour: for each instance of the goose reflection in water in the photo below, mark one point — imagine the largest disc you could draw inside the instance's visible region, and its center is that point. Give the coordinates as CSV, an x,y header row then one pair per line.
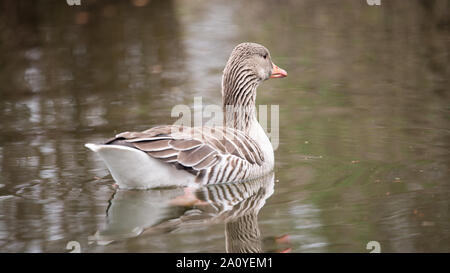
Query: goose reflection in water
x,y
132,213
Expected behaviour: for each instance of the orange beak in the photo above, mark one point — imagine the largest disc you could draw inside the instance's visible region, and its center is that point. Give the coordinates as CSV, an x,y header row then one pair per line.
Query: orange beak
x,y
278,72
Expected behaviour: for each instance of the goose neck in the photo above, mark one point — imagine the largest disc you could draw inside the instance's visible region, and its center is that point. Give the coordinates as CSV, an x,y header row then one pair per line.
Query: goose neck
x,y
238,98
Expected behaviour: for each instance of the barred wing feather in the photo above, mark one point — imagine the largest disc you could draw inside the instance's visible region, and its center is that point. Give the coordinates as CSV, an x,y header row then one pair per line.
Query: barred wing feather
x,y
210,153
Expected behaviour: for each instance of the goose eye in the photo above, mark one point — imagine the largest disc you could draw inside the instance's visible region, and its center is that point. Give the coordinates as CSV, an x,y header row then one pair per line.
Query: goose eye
x,y
265,56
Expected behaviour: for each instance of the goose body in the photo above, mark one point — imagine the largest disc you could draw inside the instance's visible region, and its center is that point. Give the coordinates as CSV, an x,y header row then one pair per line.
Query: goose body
x,y
173,155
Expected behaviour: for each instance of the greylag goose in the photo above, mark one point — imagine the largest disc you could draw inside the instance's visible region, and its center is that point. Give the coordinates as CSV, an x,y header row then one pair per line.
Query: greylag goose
x,y
174,155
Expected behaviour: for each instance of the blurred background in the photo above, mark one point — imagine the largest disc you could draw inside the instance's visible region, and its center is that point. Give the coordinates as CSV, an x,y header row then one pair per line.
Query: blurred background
x,y
364,115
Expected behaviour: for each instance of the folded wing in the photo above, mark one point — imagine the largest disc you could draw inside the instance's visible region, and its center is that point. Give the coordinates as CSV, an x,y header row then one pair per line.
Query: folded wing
x,y
197,150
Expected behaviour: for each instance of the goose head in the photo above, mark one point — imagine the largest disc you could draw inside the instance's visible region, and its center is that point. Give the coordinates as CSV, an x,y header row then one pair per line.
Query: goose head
x,y
251,59
249,65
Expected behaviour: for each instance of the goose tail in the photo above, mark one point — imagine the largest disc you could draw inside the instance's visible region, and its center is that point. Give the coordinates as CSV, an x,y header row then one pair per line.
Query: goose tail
x,y
134,169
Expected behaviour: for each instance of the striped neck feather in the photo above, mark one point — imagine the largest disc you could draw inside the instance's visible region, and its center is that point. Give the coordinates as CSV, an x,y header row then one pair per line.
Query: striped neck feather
x,y
238,97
